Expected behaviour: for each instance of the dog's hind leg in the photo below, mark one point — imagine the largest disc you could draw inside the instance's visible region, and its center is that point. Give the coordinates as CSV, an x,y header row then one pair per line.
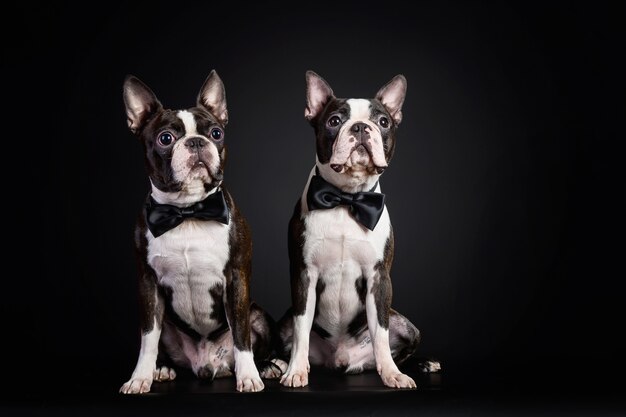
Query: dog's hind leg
x,y
221,360
164,373
164,365
265,344
404,338
357,355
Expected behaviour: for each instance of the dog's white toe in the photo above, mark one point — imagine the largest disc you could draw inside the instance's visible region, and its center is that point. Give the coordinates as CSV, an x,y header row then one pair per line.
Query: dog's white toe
x,y
137,386
164,373
398,380
295,378
250,384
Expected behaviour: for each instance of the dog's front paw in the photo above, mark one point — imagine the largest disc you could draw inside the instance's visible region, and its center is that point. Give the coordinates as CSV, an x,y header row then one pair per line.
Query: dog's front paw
x,y
295,377
137,386
396,379
249,383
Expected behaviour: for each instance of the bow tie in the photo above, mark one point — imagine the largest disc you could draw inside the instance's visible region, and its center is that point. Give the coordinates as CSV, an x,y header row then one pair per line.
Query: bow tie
x,y
366,206
164,217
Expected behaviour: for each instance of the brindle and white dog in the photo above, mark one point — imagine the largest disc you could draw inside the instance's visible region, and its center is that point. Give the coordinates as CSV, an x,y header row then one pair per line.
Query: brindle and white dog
x,y
194,249
341,252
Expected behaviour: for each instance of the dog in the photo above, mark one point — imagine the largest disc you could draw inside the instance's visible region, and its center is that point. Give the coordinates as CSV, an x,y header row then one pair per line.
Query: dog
x,y
193,248
341,244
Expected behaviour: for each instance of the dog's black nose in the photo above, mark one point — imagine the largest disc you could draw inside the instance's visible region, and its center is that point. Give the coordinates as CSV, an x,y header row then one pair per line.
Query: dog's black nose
x,y
358,127
194,142
360,132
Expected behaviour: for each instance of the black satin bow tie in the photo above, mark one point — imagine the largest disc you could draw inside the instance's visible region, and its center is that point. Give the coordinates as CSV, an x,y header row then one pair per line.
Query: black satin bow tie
x,y
164,217
366,206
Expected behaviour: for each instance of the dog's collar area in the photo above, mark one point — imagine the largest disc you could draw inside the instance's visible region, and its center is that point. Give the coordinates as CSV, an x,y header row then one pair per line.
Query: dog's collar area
x,y
365,206
161,218
371,190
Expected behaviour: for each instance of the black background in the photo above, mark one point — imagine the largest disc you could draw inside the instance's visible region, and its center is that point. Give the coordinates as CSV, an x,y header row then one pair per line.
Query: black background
x,y
505,191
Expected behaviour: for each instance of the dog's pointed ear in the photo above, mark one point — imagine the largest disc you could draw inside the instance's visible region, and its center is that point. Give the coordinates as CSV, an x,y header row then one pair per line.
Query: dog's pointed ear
x,y
391,95
140,103
318,93
212,97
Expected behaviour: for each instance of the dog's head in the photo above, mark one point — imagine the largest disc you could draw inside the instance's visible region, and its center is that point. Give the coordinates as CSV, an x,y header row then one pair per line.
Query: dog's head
x,y
184,149
356,136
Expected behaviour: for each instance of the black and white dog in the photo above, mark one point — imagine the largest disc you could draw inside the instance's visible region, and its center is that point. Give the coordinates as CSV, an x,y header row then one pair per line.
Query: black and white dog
x,y
341,244
193,248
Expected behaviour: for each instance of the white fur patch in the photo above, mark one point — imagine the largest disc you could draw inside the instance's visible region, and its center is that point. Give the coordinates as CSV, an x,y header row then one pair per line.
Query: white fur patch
x,y
297,374
302,329
247,375
190,260
189,122
360,109
380,339
142,377
146,364
244,362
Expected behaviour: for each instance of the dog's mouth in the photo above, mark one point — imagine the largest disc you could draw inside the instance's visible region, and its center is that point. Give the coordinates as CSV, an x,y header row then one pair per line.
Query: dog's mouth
x,y
199,167
359,159
199,164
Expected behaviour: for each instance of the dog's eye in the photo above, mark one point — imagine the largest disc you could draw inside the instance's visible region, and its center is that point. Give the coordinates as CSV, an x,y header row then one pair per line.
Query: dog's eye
x,y
217,133
383,121
334,121
166,138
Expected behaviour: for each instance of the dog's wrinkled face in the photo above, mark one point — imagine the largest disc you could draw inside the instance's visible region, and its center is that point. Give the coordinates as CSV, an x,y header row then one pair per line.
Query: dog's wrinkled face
x,y
355,137
184,149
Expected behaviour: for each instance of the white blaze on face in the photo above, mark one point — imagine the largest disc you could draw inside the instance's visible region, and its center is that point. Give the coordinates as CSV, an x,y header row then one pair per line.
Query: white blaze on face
x,y
183,158
189,122
346,142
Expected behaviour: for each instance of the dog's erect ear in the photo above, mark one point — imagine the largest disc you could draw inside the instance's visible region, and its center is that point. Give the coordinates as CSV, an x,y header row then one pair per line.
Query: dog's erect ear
x,y
318,92
140,102
212,97
391,95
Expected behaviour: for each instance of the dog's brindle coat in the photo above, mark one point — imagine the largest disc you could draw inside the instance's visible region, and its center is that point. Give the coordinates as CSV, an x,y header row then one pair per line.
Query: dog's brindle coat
x,y
341,314
195,309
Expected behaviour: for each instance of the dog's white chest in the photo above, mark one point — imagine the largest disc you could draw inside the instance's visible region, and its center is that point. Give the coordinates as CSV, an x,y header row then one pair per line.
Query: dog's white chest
x,y
339,252
334,239
190,260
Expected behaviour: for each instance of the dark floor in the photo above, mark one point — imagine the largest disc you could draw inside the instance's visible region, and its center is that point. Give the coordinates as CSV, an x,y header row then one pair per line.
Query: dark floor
x,y
329,394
